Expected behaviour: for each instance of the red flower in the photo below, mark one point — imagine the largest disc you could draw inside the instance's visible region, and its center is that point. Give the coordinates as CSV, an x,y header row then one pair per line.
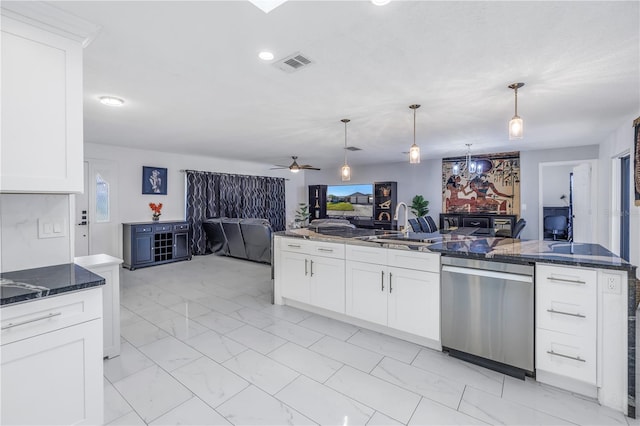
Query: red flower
x,y
156,207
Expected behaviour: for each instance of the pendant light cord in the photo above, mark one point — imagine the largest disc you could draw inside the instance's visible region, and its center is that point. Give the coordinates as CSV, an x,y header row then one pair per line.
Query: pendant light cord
x,y
516,90
414,126
345,142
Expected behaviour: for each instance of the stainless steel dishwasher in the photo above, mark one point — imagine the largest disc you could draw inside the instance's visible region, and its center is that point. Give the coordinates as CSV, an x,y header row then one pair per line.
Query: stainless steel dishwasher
x,y
487,313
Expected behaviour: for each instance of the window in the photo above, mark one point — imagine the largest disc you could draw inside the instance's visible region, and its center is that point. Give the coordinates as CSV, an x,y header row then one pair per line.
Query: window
x,y
102,199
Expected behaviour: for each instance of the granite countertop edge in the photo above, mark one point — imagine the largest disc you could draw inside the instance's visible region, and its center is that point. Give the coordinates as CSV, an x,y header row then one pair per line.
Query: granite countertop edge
x,y
63,281
520,258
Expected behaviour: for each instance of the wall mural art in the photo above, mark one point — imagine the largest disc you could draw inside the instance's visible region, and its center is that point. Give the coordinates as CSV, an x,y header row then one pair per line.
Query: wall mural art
x,y
636,162
493,188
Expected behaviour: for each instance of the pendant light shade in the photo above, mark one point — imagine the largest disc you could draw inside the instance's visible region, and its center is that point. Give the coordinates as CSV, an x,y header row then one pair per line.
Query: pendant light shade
x,y
516,125
346,170
414,151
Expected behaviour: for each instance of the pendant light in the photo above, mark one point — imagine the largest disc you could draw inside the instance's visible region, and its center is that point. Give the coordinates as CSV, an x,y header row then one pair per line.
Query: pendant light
x,y
471,165
414,151
516,126
346,170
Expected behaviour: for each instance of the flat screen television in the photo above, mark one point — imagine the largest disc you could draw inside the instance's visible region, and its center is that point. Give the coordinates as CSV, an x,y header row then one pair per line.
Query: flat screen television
x,y
353,200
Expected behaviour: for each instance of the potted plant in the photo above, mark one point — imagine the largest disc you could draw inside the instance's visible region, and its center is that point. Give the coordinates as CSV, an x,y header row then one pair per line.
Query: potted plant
x,y
419,206
302,215
156,208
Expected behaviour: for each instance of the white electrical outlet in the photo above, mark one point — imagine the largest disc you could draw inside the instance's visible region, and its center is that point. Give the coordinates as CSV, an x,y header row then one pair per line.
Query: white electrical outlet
x,y
612,284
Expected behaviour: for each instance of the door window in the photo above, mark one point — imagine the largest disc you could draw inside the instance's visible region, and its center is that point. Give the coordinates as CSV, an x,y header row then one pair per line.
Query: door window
x,y
102,200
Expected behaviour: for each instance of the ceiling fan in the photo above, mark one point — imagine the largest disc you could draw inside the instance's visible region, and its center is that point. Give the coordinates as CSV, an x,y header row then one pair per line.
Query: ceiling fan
x,y
295,167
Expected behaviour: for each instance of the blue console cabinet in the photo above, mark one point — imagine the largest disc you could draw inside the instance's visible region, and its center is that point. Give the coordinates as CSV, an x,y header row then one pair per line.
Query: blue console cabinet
x,y
154,243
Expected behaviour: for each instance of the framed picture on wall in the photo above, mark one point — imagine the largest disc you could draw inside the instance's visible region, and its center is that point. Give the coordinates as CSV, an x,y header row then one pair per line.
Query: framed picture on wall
x,y
154,180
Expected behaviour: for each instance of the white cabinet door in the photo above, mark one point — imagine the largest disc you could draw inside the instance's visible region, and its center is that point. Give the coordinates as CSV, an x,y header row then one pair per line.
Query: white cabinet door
x,y
327,283
54,378
366,291
294,273
414,302
42,141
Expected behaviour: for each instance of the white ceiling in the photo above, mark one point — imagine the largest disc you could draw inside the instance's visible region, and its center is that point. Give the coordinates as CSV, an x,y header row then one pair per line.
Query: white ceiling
x,y
192,81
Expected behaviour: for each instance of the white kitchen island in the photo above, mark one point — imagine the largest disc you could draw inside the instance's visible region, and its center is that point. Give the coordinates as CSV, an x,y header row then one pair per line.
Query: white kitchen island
x,y
584,299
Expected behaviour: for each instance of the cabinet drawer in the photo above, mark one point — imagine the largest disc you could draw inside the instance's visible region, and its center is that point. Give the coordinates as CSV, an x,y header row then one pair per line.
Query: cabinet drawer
x,y
376,255
52,313
420,261
476,222
181,227
298,245
566,355
143,229
333,250
577,319
580,280
162,228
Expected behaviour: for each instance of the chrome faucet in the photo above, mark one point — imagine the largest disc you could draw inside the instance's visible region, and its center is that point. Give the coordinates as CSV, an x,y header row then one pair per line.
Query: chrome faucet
x,y
405,228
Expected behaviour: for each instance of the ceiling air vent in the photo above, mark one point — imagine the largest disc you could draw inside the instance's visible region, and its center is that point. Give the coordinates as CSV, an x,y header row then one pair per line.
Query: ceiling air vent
x,y
294,62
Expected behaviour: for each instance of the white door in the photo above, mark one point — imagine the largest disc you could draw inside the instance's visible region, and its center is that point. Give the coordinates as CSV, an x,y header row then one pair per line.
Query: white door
x,y
81,218
327,283
583,231
97,208
294,268
366,291
414,302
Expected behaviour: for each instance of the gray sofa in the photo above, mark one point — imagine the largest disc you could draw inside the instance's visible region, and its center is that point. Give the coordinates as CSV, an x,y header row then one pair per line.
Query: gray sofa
x,y
242,238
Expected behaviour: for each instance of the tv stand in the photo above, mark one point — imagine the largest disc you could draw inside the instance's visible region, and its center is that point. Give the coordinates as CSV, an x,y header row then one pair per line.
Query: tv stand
x,y
502,224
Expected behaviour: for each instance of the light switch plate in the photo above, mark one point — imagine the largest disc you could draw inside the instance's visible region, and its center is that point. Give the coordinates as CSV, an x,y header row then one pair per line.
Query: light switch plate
x,y
51,228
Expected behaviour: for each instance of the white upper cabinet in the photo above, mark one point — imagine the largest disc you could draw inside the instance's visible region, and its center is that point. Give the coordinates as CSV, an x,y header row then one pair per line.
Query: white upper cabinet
x,y
42,136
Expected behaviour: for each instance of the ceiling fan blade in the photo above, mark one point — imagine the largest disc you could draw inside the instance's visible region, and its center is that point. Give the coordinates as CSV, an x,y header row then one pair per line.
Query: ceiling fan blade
x,y
308,167
278,167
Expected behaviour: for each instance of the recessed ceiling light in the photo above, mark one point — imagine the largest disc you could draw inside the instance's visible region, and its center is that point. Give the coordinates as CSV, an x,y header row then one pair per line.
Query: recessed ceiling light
x,y
265,56
380,2
111,101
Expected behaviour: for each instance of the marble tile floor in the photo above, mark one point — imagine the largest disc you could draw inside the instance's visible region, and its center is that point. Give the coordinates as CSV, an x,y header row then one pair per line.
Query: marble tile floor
x,y
203,345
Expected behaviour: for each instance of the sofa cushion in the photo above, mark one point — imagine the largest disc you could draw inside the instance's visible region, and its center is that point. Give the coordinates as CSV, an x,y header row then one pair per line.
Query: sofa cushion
x,y
217,241
257,239
235,241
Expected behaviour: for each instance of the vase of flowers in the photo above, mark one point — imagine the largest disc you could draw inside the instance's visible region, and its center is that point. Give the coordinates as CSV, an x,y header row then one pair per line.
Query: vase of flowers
x,y
156,208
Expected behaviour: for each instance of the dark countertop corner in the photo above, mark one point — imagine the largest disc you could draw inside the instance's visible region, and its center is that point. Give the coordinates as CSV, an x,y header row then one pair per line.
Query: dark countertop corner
x,y
28,284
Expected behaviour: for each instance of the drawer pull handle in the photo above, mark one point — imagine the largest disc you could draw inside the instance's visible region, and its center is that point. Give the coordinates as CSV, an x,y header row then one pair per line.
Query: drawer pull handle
x,y
15,324
553,311
305,268
565,280
311,269
382,280
575,358
390,284
293,245
326,249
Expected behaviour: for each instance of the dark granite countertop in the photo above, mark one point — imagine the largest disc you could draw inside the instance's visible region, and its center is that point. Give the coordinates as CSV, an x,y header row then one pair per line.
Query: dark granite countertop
x,y
531,251
467,242
28,284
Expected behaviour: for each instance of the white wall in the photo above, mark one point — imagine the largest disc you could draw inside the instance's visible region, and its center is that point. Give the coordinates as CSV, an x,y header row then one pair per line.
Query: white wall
x,y
413,179
426,179
619,142
21,247
529,178
134,207
555,184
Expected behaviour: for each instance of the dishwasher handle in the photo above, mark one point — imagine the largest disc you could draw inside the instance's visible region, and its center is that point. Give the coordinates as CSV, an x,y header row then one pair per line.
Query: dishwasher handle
x,y
488,274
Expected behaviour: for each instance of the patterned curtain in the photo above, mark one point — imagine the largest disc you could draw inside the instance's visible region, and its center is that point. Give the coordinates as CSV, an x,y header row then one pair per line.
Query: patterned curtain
x,y
254,196
202,203
275,203
230,195
236,196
